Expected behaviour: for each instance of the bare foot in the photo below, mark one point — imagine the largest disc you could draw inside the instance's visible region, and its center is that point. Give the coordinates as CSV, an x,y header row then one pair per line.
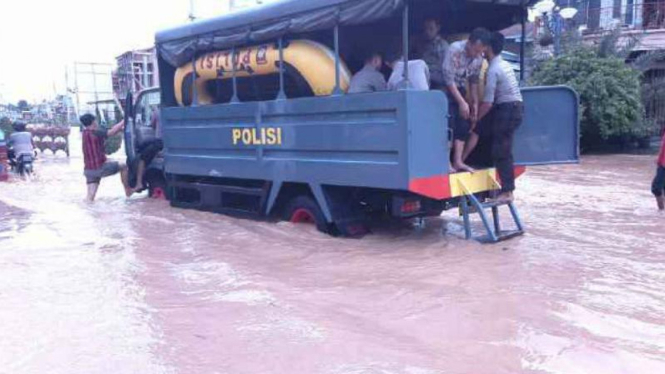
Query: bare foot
x,y
462,167
505,197
661,202
128,191
138,188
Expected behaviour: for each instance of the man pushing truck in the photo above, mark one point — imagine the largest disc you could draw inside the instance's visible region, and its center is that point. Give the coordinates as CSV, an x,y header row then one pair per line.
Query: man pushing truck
x,y
94,156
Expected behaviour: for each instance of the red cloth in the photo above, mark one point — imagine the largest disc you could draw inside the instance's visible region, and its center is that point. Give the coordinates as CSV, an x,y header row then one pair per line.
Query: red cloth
x,y
661,156
93,150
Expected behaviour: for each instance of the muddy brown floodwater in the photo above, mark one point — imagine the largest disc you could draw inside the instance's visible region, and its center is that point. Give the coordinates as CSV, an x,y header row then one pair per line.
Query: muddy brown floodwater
x,y
134,286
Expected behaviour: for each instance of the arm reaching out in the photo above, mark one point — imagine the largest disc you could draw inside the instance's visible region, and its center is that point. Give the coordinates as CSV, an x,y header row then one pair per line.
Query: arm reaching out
x,y
117,128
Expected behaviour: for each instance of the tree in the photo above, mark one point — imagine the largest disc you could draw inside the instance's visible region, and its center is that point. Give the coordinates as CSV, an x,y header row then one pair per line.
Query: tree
x,y
23,105
112,144
610,93
6,126
653,85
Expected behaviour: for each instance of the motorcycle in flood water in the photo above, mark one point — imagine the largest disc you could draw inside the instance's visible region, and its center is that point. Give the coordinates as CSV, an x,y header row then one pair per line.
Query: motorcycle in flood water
x,y
23,165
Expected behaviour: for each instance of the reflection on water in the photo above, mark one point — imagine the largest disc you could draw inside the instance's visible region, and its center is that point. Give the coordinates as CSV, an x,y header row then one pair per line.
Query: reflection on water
x,y
134,286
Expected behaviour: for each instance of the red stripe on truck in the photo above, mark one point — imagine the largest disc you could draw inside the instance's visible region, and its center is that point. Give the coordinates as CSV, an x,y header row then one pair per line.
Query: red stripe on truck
x,y
436,187
519,171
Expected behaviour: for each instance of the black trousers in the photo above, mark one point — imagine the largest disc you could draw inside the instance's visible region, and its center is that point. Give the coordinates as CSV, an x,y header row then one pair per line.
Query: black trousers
x,y
658,185
460,127
148,150
506,118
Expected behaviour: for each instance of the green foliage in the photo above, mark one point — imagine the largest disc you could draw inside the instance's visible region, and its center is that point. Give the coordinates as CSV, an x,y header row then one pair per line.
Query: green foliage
x,y
112,144
6,126
610,93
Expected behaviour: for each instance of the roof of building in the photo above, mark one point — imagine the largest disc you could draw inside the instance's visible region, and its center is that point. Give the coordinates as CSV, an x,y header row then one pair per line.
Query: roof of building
x,y
514,32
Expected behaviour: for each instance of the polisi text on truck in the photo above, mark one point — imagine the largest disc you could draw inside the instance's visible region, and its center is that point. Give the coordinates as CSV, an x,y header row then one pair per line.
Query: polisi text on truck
x,y
254,136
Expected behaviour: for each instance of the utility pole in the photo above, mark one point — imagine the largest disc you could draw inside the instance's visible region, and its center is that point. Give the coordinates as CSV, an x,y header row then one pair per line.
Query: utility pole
x,y
76,90
191,16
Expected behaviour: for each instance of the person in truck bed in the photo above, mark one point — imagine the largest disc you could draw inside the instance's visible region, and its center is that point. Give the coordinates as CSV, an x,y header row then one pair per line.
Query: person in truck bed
x,y
418,73
369,78
461,74
431,47
658,185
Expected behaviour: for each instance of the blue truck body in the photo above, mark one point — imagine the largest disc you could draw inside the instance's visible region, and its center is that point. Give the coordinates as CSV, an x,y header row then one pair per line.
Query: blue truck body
x,y
337,157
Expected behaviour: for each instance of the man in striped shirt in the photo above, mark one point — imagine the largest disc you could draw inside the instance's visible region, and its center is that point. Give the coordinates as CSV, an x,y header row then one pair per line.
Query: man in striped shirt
x,y
94,156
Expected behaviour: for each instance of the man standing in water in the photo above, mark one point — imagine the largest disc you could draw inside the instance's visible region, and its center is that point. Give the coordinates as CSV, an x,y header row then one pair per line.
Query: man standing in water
x,y
461,73
94,157
658,185
504,99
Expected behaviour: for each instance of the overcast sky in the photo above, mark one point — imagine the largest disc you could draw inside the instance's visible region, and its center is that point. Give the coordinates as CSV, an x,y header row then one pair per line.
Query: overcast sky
x,y
40,38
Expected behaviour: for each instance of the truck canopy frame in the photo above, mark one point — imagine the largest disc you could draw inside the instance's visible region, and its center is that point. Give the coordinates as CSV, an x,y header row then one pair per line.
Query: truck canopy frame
x,y
287,17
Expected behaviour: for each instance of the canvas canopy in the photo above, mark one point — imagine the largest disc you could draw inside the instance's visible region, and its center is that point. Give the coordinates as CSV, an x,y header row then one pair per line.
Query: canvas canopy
x,y
269,22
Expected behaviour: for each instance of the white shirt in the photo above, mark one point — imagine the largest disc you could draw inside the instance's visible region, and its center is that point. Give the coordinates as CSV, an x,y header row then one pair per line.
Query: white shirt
x,y
418,76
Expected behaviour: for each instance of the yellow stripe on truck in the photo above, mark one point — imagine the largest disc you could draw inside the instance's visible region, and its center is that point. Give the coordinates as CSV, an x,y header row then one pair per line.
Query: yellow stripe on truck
x,y
314,61
479,181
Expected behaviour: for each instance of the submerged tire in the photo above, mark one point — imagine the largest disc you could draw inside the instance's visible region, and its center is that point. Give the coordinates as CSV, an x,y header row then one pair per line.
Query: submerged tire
x,y
157,188
304,209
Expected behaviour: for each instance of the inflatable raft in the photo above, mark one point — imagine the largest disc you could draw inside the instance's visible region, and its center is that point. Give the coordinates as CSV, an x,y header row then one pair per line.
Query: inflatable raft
x,y
313,61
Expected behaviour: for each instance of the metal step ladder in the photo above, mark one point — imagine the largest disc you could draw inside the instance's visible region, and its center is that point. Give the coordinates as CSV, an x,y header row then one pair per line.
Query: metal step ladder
x,y
469,204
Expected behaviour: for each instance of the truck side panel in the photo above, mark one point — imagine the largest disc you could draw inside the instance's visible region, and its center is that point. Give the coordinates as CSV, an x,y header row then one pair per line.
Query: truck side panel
x,y
364,140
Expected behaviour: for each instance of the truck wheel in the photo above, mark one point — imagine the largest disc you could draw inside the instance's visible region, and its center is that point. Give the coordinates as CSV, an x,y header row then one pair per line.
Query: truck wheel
x,y
157,188
304,209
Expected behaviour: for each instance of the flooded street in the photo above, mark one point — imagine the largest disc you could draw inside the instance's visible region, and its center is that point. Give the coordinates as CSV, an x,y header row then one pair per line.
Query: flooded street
x,y
134,286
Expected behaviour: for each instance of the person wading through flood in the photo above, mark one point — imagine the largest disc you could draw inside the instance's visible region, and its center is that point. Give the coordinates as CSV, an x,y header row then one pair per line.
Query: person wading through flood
x,y
20,143
94,157
658,185
461,68
503,106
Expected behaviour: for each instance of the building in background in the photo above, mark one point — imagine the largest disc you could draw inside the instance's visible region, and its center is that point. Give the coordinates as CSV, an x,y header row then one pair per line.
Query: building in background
x,y
240,4
136,71
10,111
641,24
